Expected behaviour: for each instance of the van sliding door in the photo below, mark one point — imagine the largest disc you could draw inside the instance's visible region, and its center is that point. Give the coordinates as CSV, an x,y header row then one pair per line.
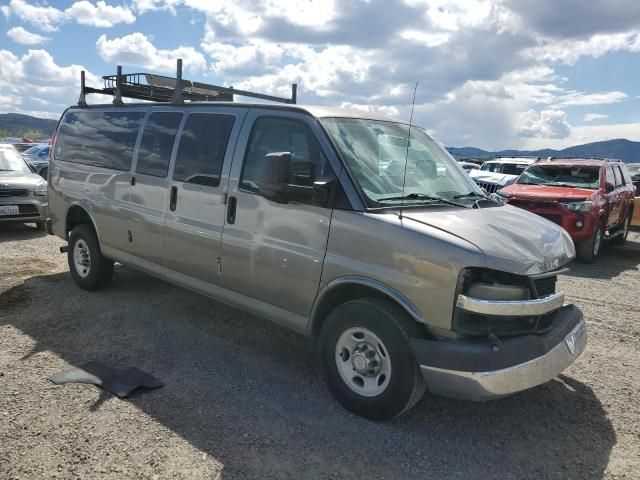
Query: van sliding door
x,y
196,195
149,187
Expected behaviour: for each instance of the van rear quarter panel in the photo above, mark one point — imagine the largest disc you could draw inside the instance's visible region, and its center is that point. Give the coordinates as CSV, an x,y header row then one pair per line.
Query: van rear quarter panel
x,y
100,191
422,267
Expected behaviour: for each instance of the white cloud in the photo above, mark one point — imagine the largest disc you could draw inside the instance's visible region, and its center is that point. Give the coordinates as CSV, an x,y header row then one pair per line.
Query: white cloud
x,y
592,117
35,74
137,50
573,99
100,14
544,124
49,19
569,51
45,18
24,37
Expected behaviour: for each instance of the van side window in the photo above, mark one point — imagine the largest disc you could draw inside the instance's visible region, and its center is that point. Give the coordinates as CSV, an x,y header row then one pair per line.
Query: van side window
x,y
203,144
158,136
103,139
271,135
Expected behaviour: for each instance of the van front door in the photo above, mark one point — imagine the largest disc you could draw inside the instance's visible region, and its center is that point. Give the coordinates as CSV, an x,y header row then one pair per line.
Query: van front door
x,y
272,252
149,190
196,201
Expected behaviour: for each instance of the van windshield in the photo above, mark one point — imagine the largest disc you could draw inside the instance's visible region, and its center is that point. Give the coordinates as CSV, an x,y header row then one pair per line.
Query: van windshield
x,y
377,153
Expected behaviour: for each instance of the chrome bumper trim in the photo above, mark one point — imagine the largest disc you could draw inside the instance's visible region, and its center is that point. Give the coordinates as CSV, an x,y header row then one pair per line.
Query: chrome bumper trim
x,y
511,308
481,386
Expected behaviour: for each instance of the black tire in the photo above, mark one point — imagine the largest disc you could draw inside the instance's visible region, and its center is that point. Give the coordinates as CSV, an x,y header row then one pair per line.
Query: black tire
x,y
586,250
622,239
99,272
393,327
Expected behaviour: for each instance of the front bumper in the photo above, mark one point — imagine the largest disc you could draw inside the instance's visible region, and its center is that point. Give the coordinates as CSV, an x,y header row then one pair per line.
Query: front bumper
x,y
481,369
30,209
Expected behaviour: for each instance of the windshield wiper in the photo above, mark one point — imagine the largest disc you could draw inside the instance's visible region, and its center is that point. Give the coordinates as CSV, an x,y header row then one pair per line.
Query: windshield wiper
x,y
422,196
469,195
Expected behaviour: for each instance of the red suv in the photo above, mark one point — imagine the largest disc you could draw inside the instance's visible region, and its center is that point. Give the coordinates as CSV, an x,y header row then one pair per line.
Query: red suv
x,y
590,198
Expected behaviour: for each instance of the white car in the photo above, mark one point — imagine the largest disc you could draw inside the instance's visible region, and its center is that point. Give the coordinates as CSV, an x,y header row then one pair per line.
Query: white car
x,y
500,172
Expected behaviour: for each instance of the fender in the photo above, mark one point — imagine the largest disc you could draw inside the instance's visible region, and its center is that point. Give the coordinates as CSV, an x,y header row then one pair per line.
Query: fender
x,y
86,206
368,283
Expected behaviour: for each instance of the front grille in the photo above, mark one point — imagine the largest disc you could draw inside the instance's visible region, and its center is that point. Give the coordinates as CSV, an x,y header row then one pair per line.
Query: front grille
x,y
545,286
28,209
557,219
480,325
16,192
489,187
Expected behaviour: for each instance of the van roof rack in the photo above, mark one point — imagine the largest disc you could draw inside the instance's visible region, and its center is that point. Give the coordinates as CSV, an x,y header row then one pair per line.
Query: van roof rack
x,y
159,88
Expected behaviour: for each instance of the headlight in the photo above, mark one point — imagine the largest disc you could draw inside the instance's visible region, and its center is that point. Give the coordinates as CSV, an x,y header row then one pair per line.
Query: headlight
x,y
41,189
582,207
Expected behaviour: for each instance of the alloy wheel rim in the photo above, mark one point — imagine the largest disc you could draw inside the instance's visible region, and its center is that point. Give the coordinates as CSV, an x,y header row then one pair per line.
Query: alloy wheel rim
x,y
82,258
363,361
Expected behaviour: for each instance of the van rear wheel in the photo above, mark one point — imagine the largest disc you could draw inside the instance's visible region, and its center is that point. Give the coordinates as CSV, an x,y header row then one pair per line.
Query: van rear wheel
x,y
89,268
367,360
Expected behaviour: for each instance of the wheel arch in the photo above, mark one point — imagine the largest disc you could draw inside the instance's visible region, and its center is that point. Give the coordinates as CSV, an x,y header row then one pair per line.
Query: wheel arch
x,y
348,288
78,214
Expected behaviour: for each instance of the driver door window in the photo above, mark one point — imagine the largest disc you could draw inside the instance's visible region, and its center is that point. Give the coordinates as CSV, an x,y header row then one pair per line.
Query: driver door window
x,y
272,135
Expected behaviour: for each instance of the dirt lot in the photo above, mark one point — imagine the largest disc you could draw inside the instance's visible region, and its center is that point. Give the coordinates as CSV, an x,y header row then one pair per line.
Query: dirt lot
x,y
244,398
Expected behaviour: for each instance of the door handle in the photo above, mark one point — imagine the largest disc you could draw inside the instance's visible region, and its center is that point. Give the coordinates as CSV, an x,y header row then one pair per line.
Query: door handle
x,y
133,180
173,199
231,210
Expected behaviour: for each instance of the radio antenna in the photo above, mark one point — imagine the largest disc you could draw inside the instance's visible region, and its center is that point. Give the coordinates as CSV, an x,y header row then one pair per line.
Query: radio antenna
x,y
406,157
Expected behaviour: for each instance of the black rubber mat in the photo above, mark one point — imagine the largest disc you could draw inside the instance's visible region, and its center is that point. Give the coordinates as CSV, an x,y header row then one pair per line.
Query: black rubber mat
x,y
119,381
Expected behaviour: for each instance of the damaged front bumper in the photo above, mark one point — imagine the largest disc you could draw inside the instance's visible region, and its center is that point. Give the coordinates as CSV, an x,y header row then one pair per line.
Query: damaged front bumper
x,y
481,369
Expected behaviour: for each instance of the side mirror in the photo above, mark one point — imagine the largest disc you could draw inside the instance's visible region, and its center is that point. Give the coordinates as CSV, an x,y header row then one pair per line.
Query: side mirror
x,y
608,187
274,178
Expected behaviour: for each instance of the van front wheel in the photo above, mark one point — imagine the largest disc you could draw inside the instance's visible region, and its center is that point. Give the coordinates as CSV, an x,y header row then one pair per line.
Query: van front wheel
x,y
89,268
367,359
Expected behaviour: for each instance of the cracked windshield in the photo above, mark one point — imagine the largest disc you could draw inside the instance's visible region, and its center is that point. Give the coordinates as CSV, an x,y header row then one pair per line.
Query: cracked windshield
x,y
376,152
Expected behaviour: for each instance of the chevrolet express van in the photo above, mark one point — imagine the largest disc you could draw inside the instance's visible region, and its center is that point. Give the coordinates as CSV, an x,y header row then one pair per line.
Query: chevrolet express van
x,y
355,229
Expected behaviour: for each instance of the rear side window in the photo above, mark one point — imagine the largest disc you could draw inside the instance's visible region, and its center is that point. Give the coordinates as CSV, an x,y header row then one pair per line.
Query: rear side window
x,y
157,141
626,175
103,139
272,135
610,178
203,144
617,175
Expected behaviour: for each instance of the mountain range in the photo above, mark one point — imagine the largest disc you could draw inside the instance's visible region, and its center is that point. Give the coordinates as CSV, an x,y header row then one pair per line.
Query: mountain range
x,y
15,124
622,149
18,125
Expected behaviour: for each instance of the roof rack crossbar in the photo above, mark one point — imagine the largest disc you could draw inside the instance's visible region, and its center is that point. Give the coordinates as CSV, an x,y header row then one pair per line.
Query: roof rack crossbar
x,y
160,88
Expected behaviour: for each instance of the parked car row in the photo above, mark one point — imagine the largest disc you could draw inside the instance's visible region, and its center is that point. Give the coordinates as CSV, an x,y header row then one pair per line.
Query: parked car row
x,y
592,199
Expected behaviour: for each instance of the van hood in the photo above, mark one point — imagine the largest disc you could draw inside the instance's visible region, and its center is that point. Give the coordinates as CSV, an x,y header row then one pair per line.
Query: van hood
x,y
492,177
12,180
540,192
511,239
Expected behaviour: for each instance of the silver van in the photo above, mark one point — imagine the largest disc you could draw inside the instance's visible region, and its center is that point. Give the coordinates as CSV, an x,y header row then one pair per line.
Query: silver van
x,y
355,229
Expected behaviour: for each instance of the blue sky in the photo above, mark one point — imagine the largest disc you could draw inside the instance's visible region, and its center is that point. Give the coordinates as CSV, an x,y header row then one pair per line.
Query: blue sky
x,y
492,73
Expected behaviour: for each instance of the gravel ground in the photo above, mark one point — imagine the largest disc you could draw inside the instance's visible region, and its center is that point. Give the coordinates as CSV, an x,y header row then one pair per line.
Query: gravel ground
x,y
244,398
